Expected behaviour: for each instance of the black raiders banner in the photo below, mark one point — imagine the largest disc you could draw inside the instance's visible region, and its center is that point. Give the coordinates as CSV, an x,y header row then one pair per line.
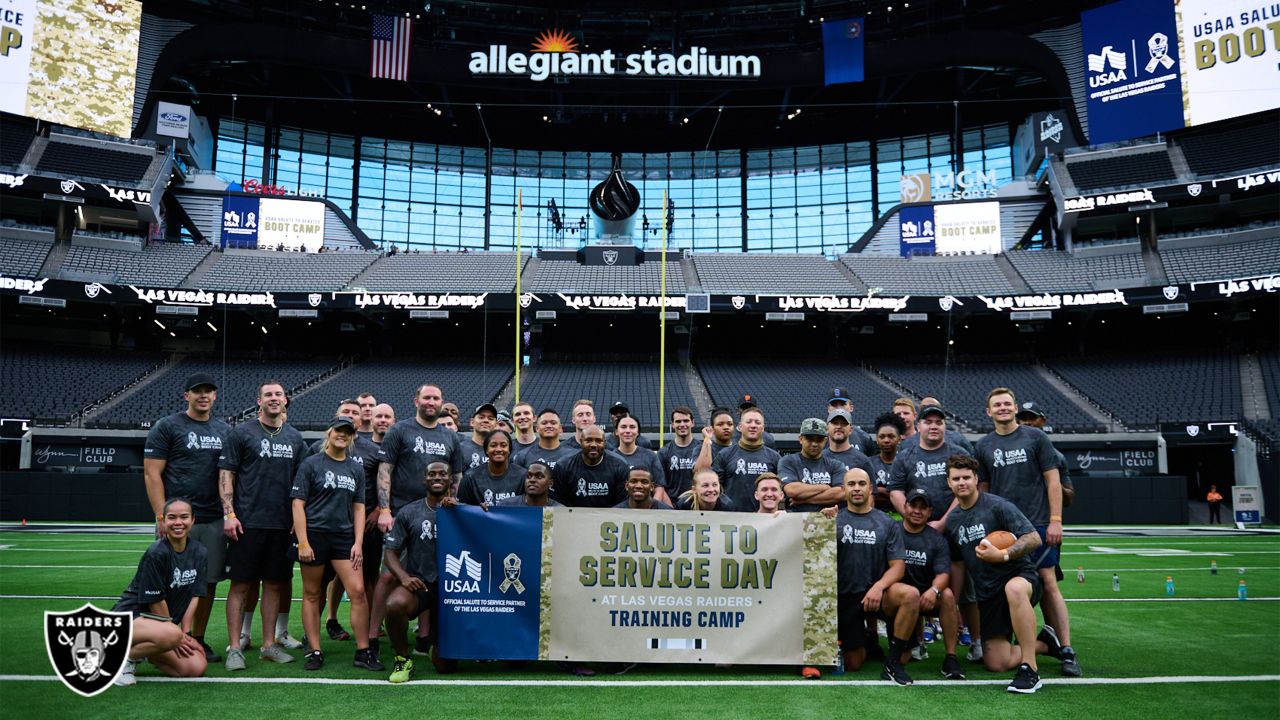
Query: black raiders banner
x,y
87,647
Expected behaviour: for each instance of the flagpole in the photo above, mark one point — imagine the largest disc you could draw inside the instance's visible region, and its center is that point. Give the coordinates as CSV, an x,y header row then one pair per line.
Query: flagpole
x,y
519,328
662,329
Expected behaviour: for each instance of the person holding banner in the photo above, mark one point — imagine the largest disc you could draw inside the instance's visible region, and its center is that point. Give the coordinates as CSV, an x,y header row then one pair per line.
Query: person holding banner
x,y
410,556
496,479
870,562
328,506
537,489
640,492
705,494
591,477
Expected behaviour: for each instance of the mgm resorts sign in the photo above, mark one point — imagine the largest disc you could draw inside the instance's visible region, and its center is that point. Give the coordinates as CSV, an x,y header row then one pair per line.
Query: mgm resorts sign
x,y
555,53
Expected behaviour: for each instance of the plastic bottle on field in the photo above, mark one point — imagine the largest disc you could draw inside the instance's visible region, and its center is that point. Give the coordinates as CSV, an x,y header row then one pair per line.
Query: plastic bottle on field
x,y
1213,567
1079,573
1115,582
1168,585
1242,592
839,659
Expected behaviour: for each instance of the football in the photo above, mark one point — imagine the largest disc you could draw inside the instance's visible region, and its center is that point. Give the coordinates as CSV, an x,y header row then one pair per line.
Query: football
x,y
1001,539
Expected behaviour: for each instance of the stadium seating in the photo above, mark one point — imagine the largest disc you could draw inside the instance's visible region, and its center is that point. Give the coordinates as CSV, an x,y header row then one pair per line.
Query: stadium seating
x,y
769,274
22,257
788,393
1218,262
163,265
237,386
557,384
58,382
1121,170
443,272
1145,389
467,382
962,389
1054,271
921,275
248,270
1218,151
570,277
93,161
1270,362
15,137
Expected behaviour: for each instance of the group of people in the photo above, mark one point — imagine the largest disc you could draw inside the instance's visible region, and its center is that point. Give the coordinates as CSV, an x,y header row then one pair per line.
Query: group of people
x,y
913,505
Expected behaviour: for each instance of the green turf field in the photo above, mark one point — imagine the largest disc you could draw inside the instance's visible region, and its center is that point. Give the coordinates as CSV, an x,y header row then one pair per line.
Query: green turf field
x,y
1144,655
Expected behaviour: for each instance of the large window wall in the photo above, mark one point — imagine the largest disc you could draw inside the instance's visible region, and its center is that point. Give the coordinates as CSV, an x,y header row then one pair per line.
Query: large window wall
x,y
815,199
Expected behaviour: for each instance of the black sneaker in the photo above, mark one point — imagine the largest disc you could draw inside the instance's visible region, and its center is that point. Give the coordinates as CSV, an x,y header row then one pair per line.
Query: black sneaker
x,y
210,655
336,631
375,647
951,668
367,660
1070,666
422,646
315,660
895,672
1026,681
1053,645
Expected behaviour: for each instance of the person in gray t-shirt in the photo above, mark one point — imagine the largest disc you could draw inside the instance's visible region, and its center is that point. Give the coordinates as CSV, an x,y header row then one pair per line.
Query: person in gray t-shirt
x,y
537,489
811,479
495,480
406,450
739,465
925,466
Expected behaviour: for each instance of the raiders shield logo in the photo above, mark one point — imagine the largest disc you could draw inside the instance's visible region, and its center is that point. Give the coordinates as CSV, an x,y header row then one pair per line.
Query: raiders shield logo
x,y
88,647
738,302
1171,292
91,290
610,257
526,299
1194,189
1193,430
313,299
946,303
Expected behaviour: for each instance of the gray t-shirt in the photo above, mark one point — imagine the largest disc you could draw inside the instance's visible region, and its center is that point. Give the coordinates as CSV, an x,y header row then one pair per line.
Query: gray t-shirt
x,y
865,544
916,467
954,437
190,449
853,457
330,489
966,528
927,557
1014,466
823,471
602,485
365,452
738,470
646,460
481,486
677,466
166,574
411,447
539,454
413,535
472,454
265,465
862,440
880,470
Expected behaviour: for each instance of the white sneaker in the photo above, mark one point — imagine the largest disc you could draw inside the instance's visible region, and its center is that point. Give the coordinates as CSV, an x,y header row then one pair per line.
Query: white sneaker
x,y
246,642
975,653
919,653
286,640
882,629
127,676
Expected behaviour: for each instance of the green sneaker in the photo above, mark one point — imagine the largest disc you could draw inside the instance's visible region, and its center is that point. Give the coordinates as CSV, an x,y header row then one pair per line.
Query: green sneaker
x,y
273,653
402,671
235,659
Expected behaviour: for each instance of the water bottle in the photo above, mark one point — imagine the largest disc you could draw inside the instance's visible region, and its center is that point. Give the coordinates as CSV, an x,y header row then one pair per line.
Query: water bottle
x,y
1079,573
1115,582
839,659
1242,592
1213,567
1168,585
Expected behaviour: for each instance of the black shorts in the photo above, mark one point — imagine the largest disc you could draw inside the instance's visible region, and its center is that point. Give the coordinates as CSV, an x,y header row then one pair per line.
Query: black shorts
x,y
852,621
260,554
328,546
427,601
993,613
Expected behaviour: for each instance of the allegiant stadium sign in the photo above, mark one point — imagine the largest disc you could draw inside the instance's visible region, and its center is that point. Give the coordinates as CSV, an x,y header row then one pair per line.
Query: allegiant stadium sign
x,y
558,56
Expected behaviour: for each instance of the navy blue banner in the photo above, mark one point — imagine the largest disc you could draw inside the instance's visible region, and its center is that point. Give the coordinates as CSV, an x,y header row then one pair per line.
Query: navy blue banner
x,y
239,221
1132,73
916,232
490,582
842,51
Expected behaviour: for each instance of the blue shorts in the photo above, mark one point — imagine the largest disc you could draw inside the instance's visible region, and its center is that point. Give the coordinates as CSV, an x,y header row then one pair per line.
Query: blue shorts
x,y
1044,556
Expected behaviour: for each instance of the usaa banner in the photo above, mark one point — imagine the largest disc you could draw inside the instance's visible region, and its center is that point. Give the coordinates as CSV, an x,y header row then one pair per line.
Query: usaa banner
x,y
638,586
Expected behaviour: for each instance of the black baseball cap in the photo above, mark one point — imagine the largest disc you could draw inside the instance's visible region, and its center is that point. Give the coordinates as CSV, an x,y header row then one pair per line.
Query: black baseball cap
x,y
485,406
1032,409
747,402
195,380
342,423
932,410
919,494
839,393
619,407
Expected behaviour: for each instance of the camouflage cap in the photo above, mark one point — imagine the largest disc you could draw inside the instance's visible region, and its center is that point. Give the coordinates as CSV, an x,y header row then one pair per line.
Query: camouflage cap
x,y
813,426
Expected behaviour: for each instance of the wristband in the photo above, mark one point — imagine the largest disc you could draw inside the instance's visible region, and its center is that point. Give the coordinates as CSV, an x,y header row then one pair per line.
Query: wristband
x,y
303,546
386,510
1006,556
1055,518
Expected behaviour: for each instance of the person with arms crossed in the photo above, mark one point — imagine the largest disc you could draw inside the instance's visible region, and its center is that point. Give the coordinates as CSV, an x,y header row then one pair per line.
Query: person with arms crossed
x,y
328,506
255,473
180,459
170,575
1019,463
812,480
1005,582
870,568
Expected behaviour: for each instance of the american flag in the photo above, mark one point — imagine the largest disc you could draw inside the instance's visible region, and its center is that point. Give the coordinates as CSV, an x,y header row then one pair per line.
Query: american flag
x,y
391,42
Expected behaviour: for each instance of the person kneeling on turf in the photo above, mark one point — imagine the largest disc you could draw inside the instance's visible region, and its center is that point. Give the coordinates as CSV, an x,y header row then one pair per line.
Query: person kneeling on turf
x,y
869,571
928,570
170,574
1004,580
409,551
328,505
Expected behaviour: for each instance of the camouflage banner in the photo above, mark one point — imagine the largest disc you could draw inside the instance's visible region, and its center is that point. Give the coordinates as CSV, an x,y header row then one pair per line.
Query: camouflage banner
x,y
689,587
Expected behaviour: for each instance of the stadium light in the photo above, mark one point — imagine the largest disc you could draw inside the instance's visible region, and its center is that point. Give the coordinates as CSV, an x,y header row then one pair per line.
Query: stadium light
x,y
162,327
264,329
211,326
